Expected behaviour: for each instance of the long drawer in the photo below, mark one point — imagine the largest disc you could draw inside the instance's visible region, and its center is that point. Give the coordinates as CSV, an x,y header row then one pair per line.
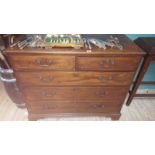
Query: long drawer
x,y
42,62
75,93
44,78
107,63
73,107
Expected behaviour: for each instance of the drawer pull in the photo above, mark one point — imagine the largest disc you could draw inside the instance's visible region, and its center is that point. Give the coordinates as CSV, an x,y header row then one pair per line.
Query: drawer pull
x,y
110,78
101,93
49,94
99,106
46,79
112,62
48,106
103,79
100,78
44,62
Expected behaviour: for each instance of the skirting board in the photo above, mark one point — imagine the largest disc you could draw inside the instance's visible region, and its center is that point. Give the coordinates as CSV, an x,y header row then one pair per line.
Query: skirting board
x,y
146,91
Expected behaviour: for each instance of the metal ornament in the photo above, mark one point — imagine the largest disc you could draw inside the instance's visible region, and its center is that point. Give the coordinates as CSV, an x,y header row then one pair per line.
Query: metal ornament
x,y
6,71
7,80
111,42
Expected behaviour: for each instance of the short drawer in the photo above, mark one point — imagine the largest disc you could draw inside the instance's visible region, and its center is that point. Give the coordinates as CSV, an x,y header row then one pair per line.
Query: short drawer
x,y
108,63
73,107
74,78
42,62
75,93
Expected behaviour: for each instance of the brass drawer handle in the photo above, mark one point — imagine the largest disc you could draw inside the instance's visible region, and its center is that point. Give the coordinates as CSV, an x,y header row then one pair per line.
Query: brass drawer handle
x,y
46,79
99,106
101,93
110,78
44,62
49,94
112,62
48,106
102,79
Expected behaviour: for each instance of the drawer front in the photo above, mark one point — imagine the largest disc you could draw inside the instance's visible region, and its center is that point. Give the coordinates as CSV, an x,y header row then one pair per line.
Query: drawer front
x,y
74,78
75,93
42,62
73,107
108,63
49,93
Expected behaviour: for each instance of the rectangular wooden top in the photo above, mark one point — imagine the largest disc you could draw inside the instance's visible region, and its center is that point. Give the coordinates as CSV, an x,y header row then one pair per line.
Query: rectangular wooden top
x,y
129,48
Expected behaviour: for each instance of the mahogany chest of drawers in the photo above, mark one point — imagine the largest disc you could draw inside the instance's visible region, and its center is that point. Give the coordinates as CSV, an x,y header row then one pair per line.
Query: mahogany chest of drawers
x,y
71,82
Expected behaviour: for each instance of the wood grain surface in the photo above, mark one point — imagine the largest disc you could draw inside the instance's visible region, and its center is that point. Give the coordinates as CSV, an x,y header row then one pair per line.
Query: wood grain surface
x,y
142,109
108,63
76,78
43,78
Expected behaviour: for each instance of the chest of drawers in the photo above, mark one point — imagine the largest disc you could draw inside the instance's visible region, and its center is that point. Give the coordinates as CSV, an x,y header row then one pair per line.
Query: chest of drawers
x,y
70,82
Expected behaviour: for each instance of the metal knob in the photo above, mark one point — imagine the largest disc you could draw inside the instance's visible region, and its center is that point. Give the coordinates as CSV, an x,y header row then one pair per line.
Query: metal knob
x,y
50,106
44,62
47,94
102,62
101,93
112,62
100,78
103,79
46,79
99,106
110,78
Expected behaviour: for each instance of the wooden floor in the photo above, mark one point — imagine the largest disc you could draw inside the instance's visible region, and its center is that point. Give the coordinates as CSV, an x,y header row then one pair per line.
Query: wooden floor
x,y
141,109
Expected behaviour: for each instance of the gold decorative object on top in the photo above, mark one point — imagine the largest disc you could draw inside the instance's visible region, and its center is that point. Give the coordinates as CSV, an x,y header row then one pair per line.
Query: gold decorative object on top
x,y
63,40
